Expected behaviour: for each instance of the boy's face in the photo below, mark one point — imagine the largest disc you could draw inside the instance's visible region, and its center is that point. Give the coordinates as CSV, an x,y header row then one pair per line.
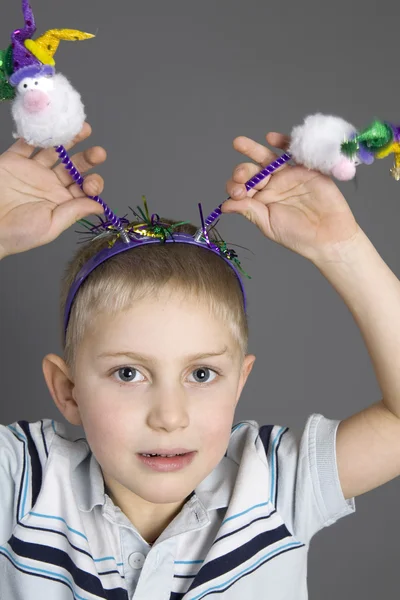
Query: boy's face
x,y
155,395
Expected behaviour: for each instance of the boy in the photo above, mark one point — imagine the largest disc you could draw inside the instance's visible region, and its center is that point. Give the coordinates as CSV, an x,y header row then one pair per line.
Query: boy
x,y
234,515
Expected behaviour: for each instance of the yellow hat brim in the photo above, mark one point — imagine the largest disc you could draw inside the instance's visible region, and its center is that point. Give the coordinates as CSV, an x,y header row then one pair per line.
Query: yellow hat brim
x,y
45,57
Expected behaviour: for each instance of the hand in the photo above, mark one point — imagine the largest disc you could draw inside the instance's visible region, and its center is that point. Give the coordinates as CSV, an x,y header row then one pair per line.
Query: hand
x,y
300,209
39,201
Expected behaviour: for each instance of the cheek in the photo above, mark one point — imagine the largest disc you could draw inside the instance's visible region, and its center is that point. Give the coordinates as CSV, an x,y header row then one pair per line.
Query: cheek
x,y
107,425
213,424
110,436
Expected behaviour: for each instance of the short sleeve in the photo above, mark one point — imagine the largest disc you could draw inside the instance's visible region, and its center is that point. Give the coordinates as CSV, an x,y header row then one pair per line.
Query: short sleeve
x,y
305,485
23,453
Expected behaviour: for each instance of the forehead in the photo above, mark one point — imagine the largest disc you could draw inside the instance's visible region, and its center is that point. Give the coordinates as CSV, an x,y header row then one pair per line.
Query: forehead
x,y
173,326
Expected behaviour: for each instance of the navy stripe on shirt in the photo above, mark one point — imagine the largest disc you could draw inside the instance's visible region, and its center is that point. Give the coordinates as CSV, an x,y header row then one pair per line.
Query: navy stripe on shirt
x,y
229,561
179,596
244,526
70,543
36,480
56,557
21,485
44,438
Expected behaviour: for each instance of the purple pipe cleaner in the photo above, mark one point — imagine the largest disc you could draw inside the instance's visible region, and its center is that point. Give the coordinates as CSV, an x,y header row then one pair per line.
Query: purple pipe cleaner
x,y
77,177
268,170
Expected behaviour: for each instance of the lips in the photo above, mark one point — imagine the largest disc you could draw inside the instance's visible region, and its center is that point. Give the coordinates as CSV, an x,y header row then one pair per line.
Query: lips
x,y
165,451
165,465
153,455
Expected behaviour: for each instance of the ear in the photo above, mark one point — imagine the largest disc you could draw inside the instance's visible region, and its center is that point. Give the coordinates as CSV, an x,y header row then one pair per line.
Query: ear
x,y
247,366
61,387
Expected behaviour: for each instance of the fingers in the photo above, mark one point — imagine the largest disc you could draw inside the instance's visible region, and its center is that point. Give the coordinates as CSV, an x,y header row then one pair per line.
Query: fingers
x,y
257,152
22,148
68,213
252,210
48,156
261,155
83,161
278,140
93,185
241,174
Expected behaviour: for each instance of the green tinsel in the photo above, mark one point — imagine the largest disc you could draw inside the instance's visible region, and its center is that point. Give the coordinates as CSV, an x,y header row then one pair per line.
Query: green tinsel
x,y
374,137
7,92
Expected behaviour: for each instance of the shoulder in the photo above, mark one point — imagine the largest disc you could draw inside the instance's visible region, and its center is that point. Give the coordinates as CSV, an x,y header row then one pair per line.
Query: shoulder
x,y
40,433
271,438
26,449
301,468
266,440
23,441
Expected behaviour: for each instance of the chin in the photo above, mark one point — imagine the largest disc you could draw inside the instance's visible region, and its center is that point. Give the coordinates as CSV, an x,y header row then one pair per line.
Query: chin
x,y
164,496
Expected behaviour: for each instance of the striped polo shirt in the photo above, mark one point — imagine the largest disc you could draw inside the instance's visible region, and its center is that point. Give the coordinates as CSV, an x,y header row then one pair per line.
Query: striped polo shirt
x,y
244,532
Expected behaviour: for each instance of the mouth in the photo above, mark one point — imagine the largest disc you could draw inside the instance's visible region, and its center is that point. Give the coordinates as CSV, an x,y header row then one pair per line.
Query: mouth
x,y
163,455
166,462
166,452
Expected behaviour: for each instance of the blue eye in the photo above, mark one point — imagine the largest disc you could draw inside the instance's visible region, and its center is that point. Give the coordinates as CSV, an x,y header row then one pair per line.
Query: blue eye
x,y
202,374
127,374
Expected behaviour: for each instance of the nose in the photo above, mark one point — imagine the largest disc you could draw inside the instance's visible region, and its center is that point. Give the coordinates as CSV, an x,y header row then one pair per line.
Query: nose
x,y
168,410
35,101
344,170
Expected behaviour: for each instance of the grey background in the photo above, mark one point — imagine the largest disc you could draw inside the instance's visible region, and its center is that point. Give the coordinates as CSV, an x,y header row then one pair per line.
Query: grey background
x,y
167,86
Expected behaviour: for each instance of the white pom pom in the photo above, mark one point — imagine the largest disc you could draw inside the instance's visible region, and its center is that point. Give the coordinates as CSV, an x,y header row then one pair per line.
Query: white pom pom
x,y
58,123
316,143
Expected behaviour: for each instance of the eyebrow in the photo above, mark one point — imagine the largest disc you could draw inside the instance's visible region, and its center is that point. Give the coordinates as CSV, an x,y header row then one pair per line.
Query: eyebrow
x,y
145,358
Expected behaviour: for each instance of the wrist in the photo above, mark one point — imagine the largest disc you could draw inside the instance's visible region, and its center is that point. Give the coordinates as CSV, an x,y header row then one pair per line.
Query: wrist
x,y
345,253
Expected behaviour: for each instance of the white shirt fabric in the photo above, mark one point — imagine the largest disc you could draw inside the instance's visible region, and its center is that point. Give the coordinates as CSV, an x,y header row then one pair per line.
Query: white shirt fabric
x,y
244,532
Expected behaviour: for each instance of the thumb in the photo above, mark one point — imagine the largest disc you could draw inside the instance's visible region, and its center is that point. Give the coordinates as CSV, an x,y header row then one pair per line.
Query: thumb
x,y
69,212
253,210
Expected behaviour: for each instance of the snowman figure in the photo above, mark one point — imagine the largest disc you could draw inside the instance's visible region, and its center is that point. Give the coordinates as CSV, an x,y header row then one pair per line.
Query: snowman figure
x,y
334,147
316,144
46,108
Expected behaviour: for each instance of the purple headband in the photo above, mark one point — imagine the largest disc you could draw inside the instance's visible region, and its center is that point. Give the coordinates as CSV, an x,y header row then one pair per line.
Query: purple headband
x,y
126,242
120,246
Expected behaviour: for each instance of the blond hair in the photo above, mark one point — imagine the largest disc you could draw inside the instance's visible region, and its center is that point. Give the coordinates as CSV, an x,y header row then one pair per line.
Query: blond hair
x,y
143,272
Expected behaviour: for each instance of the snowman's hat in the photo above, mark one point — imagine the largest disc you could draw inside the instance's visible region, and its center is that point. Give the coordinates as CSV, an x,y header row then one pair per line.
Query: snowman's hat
x,y
20,55
32,58
44,47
